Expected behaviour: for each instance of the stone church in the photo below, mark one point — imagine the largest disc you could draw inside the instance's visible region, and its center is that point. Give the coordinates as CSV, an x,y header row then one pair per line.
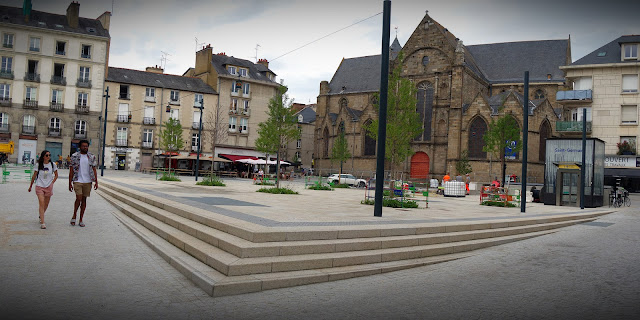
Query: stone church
x,y
460,90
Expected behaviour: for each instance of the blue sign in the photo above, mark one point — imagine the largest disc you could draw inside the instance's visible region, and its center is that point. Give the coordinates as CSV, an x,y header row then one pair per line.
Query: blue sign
x,y
509,152
398,193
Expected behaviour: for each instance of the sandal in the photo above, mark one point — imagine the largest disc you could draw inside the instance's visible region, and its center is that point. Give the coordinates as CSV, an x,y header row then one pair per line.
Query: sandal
x,y
73,222
81,224
42,226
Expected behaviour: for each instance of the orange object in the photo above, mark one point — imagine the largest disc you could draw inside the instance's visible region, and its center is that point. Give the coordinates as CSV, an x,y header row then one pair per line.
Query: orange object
x,y
446,178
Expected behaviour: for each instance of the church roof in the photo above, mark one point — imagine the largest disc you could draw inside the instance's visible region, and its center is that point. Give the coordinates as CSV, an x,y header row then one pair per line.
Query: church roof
x,y
394,49
609,53
507,62
361,74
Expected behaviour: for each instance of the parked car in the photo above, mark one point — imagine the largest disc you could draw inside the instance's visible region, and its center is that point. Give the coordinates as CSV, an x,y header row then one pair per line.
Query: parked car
x,y
347,179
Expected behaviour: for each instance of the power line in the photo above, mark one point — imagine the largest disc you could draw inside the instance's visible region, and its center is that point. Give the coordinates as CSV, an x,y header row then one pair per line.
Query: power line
x,y
332,33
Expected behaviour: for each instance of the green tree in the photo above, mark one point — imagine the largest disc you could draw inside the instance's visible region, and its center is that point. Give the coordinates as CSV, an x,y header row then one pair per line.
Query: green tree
x,y
171,137
500,135
280,128
340,151
462,166
403,122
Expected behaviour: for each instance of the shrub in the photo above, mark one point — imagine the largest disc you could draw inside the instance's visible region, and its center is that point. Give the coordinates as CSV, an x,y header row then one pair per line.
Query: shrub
x,y
277,190
169,177
393,203
498,204
342,185
265,183
212,181
320,187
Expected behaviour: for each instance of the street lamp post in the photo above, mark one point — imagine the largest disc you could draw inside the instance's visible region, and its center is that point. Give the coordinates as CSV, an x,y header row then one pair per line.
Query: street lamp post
x,y
199,137
104,132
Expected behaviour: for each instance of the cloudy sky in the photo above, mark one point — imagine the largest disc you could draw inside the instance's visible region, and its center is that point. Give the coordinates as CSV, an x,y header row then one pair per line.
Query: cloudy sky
x,y
142,29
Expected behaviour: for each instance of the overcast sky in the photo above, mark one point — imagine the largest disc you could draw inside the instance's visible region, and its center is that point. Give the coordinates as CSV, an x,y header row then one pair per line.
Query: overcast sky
x,y
141,29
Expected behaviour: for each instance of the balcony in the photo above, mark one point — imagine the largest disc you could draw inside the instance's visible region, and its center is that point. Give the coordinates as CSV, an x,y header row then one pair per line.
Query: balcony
x,y
194,148
56,106
82,109
233,111
124,118
174,102
28,129
148,120
59,80
246,112
149,99
5,101
4,127
31,104
7,45
121,142
85,56
147,144
574,96
6,74
34,77
54,132
34,49
571,126
60,53
195,125
83,83
80,135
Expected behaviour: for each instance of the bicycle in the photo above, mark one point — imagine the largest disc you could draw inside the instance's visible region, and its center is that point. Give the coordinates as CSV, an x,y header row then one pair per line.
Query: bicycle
x,y
620,198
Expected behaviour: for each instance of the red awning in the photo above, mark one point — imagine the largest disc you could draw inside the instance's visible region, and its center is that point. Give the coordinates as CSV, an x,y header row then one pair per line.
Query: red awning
x,y
234,158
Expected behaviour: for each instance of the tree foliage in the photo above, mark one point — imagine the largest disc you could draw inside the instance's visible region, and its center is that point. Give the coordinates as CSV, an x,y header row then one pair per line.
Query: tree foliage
x,y
499,135
280,127
462,166
340,151
171,135
403,122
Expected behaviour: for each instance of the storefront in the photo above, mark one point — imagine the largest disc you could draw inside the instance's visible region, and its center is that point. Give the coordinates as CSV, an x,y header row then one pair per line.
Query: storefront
x,y
622,170
562,175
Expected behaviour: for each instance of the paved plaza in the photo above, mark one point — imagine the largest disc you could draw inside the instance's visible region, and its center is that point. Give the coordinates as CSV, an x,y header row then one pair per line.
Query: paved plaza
x,y
104,271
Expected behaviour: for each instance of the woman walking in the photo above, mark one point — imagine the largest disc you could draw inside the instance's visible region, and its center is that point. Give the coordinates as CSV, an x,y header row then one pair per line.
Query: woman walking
x,y
45,176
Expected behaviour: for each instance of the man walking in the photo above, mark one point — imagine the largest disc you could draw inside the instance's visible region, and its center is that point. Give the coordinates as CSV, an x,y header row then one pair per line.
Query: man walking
x,y
82,172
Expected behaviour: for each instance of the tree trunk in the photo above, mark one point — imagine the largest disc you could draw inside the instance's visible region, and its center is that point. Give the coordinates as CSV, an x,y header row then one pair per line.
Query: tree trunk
x,y
277,168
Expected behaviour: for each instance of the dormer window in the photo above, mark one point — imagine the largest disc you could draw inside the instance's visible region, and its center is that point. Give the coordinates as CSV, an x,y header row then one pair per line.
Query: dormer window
x,y
300,118
630,52
232,70
243,72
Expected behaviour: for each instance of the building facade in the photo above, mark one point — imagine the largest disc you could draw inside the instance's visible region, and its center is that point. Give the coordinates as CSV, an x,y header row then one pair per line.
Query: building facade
x,y
460,90
301,151
51,80
139,105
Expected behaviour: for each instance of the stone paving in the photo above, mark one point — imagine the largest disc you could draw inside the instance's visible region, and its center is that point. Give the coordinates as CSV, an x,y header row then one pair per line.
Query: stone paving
x,y
103,271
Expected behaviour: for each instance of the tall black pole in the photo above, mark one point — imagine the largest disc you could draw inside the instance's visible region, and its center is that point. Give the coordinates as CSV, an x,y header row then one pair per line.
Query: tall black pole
x,y
382,117
104,132
200,140
525,138
584,156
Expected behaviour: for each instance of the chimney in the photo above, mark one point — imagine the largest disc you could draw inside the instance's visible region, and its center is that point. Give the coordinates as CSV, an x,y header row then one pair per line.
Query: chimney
x,y
155,69
26,10
264,62
105,20
73,13
548,76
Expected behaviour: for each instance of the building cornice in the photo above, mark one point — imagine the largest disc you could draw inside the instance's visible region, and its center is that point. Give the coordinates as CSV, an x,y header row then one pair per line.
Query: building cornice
x,y
604,65
49,31
250,80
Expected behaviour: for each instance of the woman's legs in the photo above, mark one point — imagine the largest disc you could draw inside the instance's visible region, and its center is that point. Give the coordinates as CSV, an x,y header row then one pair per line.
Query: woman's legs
x,y
43,203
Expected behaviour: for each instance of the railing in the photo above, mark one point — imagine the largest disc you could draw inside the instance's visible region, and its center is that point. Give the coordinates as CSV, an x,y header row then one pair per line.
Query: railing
x,y
80,134
149,99
34,49
147,144
148,120
85,56
574,95
174,102
31,104
233,111
59,80
246,112
62,53
56,106
83,83
121,142
6,74
54,132
124,96
571,126
82,109
4,127
195,125
28,129
7,45
35,77
124,117
194,148
5,101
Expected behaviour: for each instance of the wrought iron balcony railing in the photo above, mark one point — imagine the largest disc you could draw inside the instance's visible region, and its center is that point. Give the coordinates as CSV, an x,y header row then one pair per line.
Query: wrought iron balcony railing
x,y
195,125
121,142
147,144
34,77
148,120
31,104
54,132
5,101
82,109
59,80
28,129
80,134
56,106
83,83
124,118
6,74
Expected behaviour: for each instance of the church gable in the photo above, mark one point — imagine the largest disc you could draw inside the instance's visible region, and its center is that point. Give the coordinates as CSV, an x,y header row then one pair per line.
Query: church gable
x,y
429,34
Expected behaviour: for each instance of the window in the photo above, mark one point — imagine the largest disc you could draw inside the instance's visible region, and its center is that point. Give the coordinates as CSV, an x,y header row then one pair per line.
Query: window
x,y
299,144
629,114
195,141
4,122
7,64
7,40
629,83
149,117
84,74
476,130
234,105
4,91
325,143
150,94
245,89
197,98
232,123
236,86
34,44
244,123
425,61
86,51
196,119
175,96
32,67
297,156
31,94
58,74
80,128
582,83
121,137
54,123
243,72
545,133
576,114
539,94
29,124
124,91
83,98
424,107
60,48
147,136
300,118
175,114
245,106
231,70
56,96
630,51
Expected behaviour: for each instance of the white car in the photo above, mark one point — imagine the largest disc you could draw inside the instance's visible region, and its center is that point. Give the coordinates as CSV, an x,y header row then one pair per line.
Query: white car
x,y
347,179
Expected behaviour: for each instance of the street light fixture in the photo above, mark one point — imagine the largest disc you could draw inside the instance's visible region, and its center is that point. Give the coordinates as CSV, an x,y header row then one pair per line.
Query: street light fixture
x,y
201,106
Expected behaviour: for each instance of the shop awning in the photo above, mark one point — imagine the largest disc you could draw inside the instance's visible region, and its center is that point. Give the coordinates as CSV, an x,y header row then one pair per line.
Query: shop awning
x,y
620,172
234,157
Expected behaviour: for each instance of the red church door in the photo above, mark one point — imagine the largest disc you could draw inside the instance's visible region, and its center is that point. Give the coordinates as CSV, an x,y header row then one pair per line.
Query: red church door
x,y
419,165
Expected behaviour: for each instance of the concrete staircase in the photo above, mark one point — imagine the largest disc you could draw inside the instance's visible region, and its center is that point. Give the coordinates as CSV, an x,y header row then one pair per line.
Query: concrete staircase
x,y
225,256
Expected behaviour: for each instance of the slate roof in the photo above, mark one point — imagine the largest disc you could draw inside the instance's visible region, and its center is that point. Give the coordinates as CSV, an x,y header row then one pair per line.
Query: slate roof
x,y
613,52
158,80
308,115
394,49
14,15
496,101
256,70
507,62
333,117
354,113
361,74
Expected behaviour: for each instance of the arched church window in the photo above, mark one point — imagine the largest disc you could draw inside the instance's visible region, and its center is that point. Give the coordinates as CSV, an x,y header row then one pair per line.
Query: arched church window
x,y
545,133
325,146
539,94
369,142
476,132
425,61
343,102
424,107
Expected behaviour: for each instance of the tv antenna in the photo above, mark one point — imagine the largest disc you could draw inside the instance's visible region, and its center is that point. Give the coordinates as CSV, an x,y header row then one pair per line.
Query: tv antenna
x,y
164,59
257,46
198,44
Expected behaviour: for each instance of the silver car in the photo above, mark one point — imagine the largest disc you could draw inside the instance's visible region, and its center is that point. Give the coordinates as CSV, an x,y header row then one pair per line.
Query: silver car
x,y
347,179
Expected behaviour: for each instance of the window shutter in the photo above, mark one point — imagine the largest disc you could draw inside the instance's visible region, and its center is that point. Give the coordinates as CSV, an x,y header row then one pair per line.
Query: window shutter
x,y
629,114
630,83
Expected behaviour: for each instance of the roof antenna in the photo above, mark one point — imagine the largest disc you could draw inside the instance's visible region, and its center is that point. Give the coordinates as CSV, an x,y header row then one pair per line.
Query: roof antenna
x,y
396,27
257,45
163,59
198,44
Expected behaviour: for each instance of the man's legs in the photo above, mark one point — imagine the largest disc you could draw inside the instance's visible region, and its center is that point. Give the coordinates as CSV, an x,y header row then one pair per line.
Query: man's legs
x,y
76,205
83,205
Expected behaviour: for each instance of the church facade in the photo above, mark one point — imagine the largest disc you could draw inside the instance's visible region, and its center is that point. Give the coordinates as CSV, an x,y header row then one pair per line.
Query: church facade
x,y
460,90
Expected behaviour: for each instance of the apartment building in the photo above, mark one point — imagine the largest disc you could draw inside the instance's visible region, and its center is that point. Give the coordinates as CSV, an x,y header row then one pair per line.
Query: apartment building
x,y
139,105
51,79
300,151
